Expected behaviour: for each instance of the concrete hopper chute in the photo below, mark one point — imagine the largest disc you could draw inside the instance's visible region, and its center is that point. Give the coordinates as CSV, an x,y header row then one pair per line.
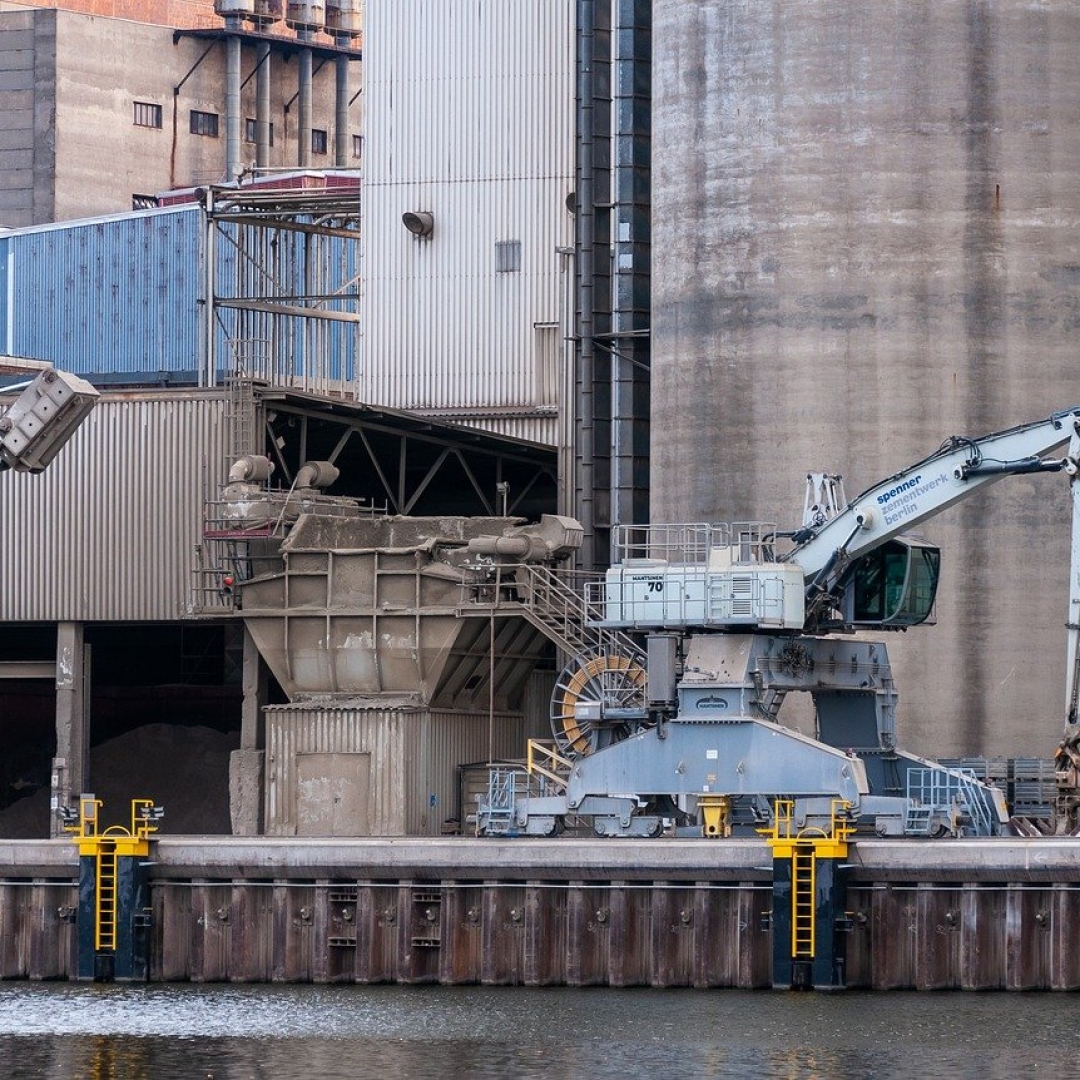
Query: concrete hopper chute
x,y
371,608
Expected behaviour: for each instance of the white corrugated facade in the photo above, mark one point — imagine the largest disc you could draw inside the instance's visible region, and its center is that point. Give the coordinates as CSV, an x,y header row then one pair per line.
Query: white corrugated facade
x,y
470,118
108,531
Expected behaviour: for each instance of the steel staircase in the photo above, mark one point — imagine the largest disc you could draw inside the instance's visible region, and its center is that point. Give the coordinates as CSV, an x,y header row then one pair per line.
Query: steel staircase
x,y
554,607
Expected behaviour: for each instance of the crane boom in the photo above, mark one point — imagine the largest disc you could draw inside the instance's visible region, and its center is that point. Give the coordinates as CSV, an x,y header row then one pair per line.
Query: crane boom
x,y
901,502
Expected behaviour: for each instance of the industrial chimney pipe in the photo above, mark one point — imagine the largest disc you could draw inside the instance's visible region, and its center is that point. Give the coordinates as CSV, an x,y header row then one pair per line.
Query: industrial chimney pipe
x,y
262,107
303,135
341,113
232,107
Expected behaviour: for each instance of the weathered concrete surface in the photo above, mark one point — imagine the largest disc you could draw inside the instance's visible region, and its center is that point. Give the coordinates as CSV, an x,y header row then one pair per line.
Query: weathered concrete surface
x,y
66,95
435,859
866,238
1000,859
245,791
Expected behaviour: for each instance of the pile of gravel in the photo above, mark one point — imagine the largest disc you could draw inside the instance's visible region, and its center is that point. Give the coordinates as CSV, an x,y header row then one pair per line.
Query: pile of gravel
x,y
184,769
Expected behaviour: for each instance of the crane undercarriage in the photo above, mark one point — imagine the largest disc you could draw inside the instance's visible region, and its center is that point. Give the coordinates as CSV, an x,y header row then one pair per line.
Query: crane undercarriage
x,y
703,753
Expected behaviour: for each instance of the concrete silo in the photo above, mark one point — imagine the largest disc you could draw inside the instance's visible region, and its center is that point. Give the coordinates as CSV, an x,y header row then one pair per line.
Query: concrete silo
x,y
866,238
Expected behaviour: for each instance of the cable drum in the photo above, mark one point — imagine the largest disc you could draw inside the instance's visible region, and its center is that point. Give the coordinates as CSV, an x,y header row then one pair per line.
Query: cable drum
x,y
588,688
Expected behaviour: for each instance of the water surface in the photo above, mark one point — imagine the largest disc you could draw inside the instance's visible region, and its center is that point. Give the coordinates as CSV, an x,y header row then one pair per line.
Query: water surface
x,y
162,1032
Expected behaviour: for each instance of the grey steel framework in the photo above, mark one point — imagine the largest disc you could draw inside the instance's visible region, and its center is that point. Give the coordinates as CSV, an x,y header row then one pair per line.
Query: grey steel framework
x,y
393,461
290,316
413,465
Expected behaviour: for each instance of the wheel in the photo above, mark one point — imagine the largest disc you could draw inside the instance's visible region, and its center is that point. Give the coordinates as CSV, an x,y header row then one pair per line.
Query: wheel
x,y
606,680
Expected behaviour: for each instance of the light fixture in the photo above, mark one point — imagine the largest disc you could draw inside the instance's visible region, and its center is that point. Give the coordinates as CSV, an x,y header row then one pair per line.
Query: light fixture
x,y
419,222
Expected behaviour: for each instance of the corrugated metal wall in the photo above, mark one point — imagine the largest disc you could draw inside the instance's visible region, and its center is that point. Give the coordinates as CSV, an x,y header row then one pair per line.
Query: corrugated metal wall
x,y
112,295
117,299
470,110
108,531
414,757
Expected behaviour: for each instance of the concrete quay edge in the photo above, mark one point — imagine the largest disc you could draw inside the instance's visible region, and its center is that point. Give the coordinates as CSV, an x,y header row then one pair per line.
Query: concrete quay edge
x,y
1045,860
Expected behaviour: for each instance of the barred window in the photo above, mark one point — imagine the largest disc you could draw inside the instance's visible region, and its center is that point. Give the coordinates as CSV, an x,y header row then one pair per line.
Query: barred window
x,y
251,131
147,114
507,256
204,123
318,141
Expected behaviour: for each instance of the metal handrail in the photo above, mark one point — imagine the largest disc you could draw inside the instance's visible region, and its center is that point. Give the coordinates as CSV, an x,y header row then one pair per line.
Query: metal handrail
x,y
553,606
542,759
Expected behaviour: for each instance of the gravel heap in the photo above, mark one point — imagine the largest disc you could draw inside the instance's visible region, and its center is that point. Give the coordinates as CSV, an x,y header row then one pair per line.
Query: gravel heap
x,y
184,769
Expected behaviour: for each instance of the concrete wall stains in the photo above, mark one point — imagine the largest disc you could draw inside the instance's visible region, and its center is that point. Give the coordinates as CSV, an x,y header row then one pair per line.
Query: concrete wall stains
x,y
866,239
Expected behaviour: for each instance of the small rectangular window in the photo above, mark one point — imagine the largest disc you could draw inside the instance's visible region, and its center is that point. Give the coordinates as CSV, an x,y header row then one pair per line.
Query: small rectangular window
x,y
318,141
507,256
358,146
204,123
251,131
147,114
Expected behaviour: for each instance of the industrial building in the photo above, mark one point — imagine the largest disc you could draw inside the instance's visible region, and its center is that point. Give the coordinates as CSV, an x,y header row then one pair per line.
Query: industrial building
x,y
100,114
634,273
247,304
577,223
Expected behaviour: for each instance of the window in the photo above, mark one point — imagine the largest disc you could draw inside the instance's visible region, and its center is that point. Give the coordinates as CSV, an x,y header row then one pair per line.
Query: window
x,y
204,123
251,131
147,114
358,146
318,141
507,256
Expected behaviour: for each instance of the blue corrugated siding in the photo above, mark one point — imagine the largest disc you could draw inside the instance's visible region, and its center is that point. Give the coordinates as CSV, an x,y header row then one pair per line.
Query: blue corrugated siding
x,y
110,297
117,299
5,322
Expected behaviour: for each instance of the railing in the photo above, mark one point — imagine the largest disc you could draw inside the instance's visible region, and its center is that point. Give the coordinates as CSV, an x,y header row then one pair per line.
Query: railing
x,y
936,791
694,542
545,761
235,548
549,600
497,814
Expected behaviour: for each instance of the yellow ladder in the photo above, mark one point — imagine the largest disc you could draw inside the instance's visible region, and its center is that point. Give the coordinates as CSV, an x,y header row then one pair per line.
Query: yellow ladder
x,y
804,847
106,848
803,892
105,897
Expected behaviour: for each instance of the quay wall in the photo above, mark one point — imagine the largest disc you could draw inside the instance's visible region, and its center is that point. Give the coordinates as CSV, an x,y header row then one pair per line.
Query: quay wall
x,y
996,914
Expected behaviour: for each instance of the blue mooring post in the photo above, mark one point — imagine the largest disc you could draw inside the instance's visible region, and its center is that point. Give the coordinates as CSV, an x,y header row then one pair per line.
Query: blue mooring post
x,y
85,921
809,944
113,915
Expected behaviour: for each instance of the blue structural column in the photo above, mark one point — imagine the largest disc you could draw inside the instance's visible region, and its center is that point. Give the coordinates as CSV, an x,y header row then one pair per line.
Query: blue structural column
x,y
822,966
86,921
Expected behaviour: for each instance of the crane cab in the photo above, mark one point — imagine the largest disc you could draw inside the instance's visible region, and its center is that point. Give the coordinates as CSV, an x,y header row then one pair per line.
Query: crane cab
x,y
893,586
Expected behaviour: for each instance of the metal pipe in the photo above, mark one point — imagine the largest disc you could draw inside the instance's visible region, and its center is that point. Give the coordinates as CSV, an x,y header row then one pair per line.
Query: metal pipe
x,y
232,107
262,107
208,365
584,509
631,61
341,112
303,131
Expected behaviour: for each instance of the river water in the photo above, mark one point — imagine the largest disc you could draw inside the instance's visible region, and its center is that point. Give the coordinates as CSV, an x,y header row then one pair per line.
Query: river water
x,y
185,1032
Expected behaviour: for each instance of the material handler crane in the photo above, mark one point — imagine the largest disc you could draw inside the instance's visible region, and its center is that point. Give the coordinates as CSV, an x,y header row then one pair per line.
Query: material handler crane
x,y
684,736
